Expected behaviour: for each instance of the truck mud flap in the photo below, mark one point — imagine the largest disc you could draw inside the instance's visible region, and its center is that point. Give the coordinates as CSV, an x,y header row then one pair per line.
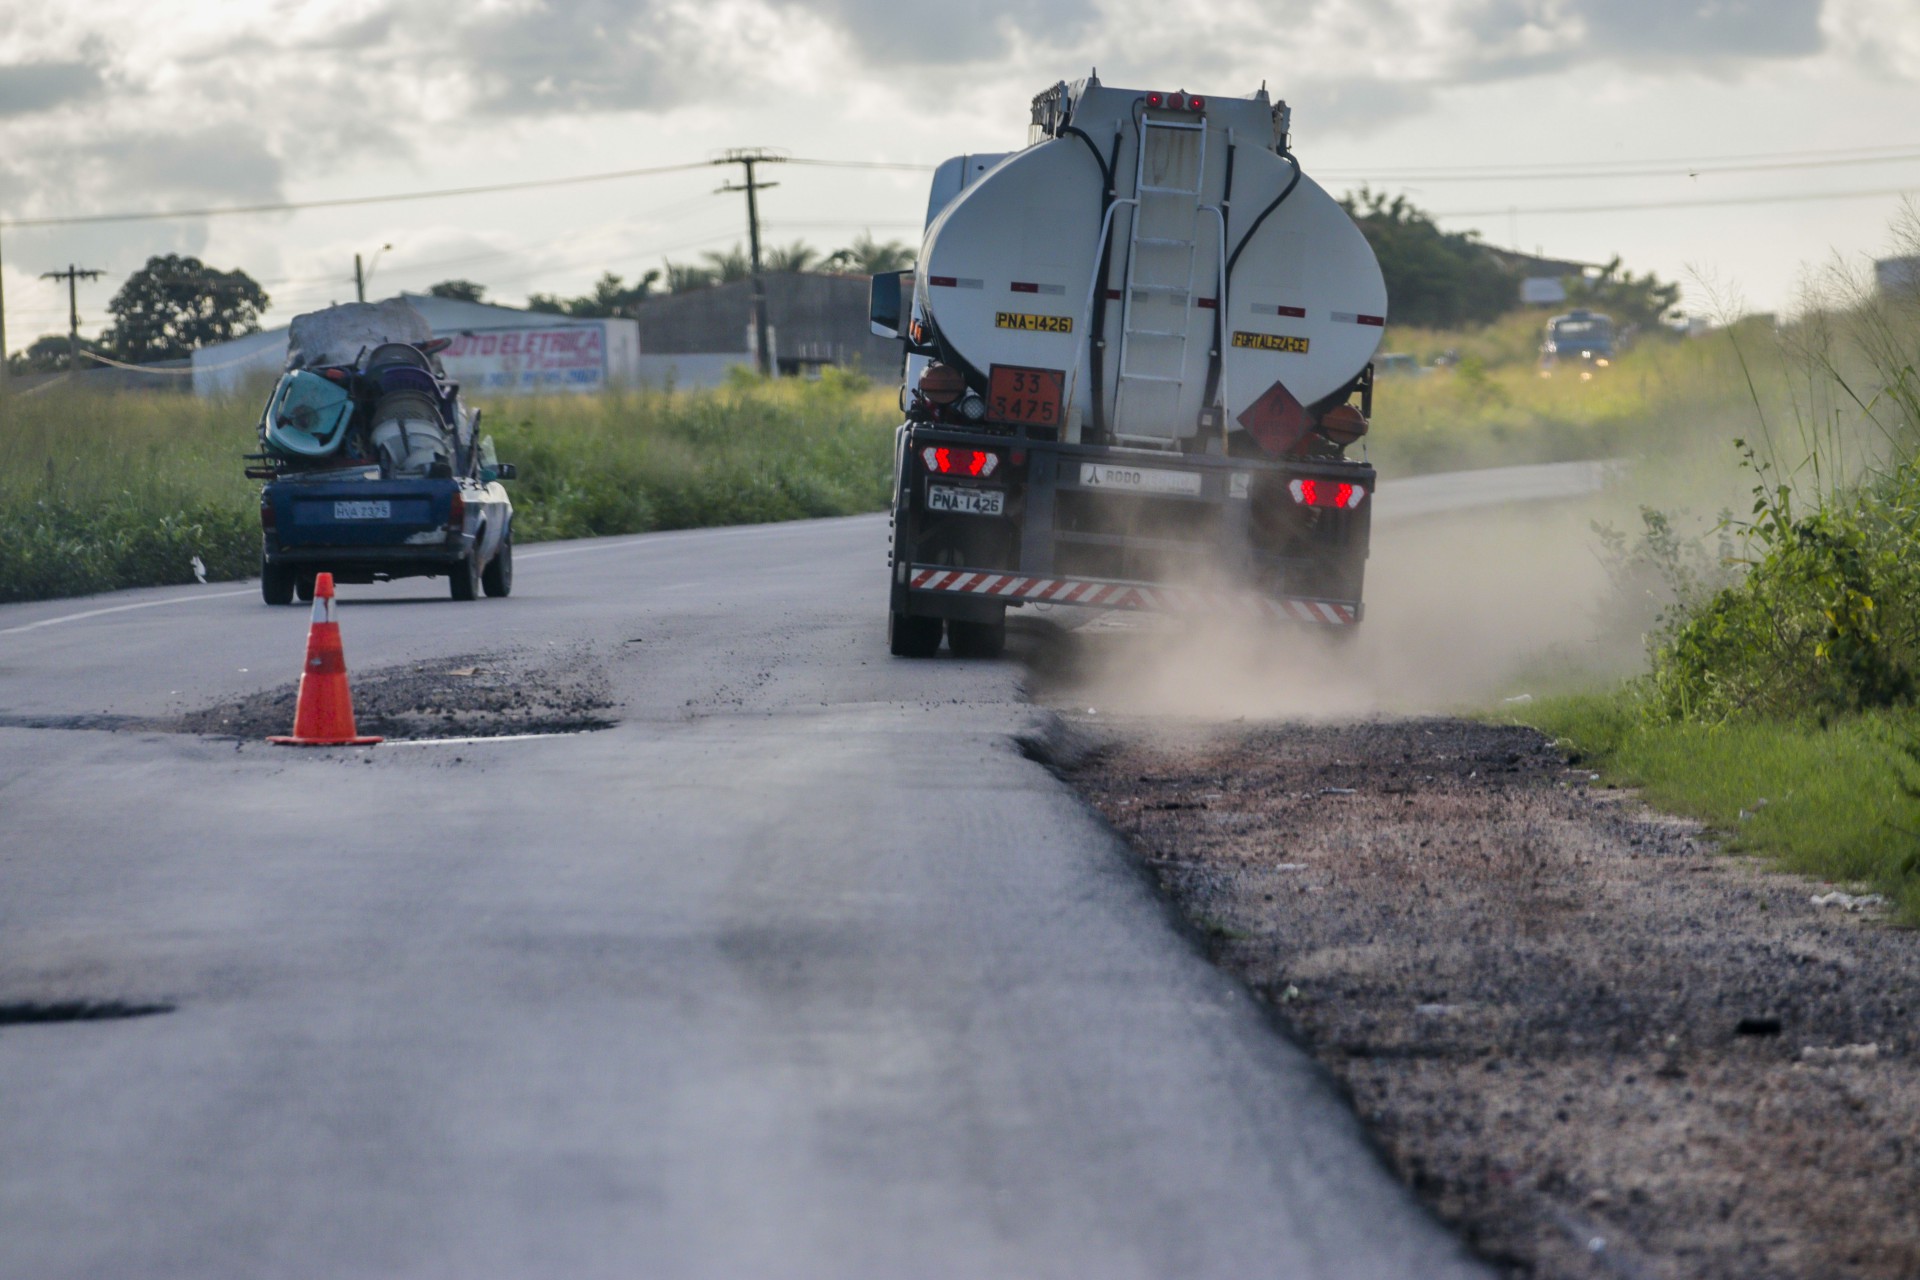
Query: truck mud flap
x,y
1100,594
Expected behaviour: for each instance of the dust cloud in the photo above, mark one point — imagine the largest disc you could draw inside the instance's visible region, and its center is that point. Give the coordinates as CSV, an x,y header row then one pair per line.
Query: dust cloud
x,y
1462,610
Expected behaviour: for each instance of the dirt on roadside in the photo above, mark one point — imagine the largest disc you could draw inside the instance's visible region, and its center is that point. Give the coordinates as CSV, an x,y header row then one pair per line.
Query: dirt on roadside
x,y
1594,1045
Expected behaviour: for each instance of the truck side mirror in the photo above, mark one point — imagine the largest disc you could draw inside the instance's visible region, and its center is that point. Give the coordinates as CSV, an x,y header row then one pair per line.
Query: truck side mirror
x,y
505,471
887,302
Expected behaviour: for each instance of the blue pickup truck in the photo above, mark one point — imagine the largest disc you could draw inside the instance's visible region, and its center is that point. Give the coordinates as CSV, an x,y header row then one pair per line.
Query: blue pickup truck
x,y
375,470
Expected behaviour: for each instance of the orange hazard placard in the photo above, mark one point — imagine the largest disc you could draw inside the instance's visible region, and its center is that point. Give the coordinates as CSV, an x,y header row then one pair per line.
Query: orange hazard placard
x,y
1027,396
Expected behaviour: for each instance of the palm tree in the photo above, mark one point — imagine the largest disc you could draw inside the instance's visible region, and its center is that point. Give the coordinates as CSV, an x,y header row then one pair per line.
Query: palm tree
x,y
868,256
798,256
682,278
731,265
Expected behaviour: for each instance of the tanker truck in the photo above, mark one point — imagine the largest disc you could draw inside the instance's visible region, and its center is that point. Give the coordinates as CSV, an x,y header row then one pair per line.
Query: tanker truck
x,y
1137,354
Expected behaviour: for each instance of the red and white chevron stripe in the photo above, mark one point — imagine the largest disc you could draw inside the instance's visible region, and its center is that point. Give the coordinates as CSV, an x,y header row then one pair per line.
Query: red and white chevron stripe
x,y
1127,595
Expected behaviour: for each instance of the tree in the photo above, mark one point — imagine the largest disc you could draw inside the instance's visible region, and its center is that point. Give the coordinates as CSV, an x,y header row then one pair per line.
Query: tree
x,y
732,265
611,296
47,354
176,304
459,290
798,256
684,278
1435,279
1630,299
869,257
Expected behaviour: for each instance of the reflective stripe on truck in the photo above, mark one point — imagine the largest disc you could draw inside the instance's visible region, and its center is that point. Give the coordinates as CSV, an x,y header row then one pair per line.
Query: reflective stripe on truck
x,y
1129,595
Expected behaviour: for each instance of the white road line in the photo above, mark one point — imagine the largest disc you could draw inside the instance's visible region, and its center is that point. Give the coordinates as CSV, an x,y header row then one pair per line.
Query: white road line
x,y
456,742
123,608
675,536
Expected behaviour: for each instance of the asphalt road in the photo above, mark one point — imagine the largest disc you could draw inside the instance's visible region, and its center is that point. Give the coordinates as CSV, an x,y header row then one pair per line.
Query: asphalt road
x,y
802,969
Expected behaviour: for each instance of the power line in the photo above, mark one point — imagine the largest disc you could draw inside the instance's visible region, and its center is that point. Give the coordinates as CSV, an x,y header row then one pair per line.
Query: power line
x,y
294,206
1822,153
1567,175
1715,202
901,166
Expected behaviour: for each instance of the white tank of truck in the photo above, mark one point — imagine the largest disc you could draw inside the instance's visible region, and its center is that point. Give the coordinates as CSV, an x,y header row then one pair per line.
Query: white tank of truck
x,y
1164,252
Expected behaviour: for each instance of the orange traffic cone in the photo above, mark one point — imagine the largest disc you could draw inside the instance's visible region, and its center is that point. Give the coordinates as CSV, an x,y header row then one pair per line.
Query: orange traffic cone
x,y
323,717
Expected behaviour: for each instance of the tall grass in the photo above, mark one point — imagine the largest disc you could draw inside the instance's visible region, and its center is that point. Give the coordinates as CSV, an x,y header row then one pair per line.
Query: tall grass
x,y
102,491
1663,396
1787,667
751,451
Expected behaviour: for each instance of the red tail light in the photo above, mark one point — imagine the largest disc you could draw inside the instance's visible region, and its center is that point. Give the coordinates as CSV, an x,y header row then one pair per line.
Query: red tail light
x,y
1177,101
267,519
979,463
1327,493
456,511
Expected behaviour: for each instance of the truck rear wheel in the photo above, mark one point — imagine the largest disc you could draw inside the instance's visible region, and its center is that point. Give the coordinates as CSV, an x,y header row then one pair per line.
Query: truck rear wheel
x,y
498,576
276,583
911,636
303,587
463,581
977,639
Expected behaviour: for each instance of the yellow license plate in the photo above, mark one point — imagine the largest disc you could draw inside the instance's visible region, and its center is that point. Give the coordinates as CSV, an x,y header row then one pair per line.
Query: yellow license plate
x,y
1032,323
1271,342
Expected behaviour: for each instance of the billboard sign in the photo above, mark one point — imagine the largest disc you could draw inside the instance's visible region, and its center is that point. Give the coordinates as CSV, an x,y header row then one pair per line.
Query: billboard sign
x,y
504,361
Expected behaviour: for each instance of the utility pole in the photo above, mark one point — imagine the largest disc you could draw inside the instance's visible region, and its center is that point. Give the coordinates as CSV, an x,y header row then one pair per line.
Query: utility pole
x,y
73,275
360,277
3,328
748,157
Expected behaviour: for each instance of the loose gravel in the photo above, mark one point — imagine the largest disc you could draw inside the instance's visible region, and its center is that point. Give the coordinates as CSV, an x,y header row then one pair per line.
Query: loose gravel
x,y
1590,1042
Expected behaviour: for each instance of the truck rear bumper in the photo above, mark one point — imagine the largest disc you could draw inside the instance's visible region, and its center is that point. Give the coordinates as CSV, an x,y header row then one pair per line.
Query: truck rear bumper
x,y
1017,589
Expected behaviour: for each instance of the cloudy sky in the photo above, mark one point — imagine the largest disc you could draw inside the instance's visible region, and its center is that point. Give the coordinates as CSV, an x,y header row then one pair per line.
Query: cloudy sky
x,y
1731,141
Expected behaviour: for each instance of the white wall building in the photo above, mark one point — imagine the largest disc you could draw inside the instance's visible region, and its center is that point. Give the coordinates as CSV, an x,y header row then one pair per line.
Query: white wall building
x,y
495,351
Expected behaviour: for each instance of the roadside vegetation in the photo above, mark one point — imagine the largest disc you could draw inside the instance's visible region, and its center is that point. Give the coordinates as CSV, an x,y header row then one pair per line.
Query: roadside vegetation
x,y
1782,697
100,491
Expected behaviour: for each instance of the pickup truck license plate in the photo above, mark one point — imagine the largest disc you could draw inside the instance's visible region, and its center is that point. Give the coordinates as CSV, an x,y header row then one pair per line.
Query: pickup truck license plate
x,y
970,502
382,510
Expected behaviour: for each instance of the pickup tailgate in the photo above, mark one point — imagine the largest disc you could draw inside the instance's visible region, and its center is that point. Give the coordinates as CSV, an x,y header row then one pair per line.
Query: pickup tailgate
x,y
358,513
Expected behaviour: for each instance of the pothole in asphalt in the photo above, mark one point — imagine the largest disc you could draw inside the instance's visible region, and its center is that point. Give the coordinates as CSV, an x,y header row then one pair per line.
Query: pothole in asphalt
x,y
513,694
32,1012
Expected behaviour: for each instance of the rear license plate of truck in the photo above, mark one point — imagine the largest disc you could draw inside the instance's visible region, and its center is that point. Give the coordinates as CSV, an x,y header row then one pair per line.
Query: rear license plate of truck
x,y
363,511
969,502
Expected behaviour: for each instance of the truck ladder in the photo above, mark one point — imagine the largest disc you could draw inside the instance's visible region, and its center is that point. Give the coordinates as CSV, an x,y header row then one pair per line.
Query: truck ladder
x,y
1153,356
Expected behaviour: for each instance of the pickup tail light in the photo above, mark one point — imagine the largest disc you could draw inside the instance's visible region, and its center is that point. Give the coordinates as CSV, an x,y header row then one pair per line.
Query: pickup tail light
x,y
267,519
1327,493
457,511
978,463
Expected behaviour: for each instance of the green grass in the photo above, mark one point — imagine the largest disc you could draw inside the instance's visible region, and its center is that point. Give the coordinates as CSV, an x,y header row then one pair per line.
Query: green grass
x,y
100,492
1663,396
1832,801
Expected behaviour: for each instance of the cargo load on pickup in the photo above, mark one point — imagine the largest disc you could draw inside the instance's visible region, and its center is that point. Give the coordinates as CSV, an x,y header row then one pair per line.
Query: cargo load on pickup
x,y
376,468
1138,352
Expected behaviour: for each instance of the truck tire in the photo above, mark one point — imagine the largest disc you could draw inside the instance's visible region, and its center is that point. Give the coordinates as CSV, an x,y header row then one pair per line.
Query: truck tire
x,y
276,583
497,579
911,636
303,587
463,581
977,639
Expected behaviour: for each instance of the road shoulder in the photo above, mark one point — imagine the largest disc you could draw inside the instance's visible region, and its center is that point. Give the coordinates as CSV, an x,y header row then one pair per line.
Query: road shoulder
x,y
1588,1041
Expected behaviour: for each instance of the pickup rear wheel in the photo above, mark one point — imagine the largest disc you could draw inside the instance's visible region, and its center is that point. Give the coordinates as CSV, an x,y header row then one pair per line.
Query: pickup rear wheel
x,y
464,580
276,583
911,636
303,587
498,577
